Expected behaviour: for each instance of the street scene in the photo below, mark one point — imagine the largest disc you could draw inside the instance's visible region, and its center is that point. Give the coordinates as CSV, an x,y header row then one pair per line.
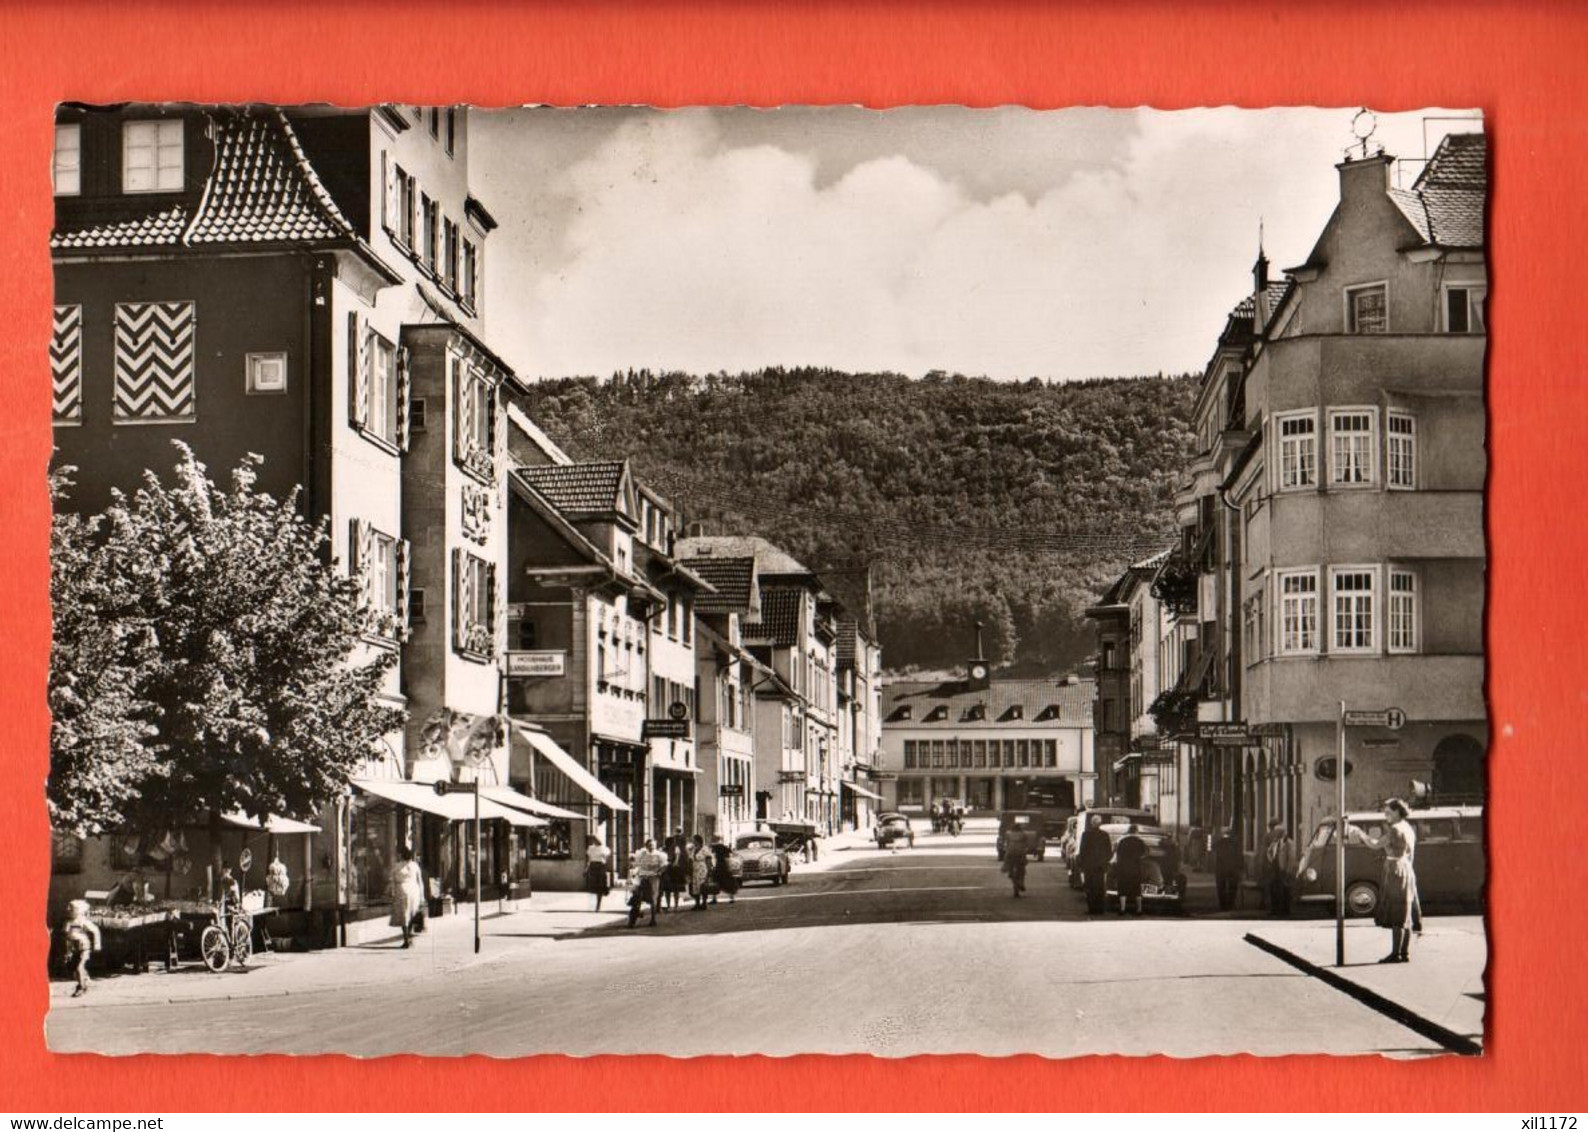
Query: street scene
x,y
728,582
917,951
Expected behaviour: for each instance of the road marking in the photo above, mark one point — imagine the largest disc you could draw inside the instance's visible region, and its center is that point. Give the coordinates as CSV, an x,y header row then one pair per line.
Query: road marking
x,y
866,892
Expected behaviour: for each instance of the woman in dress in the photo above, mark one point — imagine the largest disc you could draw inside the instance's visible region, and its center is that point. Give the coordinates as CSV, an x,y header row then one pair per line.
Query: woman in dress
x,y
407,894
1397,906
675,848
597,870
701,861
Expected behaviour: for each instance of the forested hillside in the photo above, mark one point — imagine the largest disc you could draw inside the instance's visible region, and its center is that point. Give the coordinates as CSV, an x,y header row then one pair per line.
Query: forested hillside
x,y
1012,503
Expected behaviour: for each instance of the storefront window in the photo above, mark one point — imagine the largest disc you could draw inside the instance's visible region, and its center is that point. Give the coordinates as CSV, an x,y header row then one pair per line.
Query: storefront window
x,y
553,841
370,850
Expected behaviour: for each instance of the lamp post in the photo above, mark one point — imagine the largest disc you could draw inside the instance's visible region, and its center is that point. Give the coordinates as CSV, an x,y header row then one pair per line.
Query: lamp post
x,y
443,788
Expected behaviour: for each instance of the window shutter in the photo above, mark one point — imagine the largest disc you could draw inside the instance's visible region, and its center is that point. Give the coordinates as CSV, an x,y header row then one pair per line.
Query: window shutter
x,y
460,408
459,601
490,421
491,603
476,273
404,552
358,371
404,391
388,200
355,561
416,219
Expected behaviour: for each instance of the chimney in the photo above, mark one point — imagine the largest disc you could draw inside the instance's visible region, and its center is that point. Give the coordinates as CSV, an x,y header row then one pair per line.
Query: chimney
x,y
1365,178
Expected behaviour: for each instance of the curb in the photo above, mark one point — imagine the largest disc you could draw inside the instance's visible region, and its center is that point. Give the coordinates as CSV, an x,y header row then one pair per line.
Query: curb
x,y
1433,1031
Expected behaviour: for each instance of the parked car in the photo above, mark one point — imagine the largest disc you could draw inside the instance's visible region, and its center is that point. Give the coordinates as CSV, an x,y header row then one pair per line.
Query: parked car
x,y
894,827
1111,815
1449,859
1028,821
1163,879
762,858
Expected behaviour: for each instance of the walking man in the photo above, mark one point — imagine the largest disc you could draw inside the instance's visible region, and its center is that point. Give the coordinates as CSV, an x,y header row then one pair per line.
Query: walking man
x,y
1281,866
1092,855
648,866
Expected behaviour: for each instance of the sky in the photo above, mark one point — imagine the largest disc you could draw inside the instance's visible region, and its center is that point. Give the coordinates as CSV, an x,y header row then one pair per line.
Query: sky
x,y
1008,243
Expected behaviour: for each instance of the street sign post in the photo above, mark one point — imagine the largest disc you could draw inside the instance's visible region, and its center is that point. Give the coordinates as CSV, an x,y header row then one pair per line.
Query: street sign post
x,y
1392,719
443,788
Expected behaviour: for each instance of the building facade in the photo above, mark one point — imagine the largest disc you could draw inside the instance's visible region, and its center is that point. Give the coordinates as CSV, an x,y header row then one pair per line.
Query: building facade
x,y
994,744
1333,546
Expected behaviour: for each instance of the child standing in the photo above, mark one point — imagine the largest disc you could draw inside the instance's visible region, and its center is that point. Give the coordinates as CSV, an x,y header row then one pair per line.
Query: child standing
x,y
82,940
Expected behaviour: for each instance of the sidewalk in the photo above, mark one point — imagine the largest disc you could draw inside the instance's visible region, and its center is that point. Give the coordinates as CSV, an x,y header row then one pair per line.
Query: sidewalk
x,y
447,945
1443,983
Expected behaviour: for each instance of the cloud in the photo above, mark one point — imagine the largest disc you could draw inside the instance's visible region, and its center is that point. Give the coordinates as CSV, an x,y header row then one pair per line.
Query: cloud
x,y
677,243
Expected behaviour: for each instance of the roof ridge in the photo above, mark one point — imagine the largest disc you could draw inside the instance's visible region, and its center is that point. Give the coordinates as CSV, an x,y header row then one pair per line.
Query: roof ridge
x,y
306,168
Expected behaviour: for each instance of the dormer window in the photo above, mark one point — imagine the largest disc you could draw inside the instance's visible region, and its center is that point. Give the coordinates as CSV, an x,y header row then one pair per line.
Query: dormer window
x,y
1015,711
151,157
68,164
901,714
940,712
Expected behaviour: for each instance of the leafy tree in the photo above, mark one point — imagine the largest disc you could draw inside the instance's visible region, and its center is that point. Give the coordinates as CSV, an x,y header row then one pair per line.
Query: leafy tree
x,y
208,657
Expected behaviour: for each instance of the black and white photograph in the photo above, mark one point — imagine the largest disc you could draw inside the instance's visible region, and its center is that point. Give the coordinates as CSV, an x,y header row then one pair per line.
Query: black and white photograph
x,y
815,580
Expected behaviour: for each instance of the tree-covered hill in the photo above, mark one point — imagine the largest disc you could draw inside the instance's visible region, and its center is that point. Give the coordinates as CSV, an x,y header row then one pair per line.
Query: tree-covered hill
x,y
1014,503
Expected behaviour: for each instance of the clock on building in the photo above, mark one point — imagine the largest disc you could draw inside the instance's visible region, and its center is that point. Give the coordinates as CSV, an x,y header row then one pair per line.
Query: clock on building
x,y
980,675
978,672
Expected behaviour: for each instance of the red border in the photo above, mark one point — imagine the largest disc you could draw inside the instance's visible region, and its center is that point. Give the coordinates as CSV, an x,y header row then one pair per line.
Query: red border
x,y
1521,62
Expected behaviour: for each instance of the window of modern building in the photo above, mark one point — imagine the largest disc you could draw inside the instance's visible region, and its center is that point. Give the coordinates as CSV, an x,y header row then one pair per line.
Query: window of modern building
x,y
1298,451
952,746
1367,309
1050,753
67,167
1353,588
1465,311
979,753
1402,628
909,754
939,753
911,791
151,157
1401,468
1298,612
1351,446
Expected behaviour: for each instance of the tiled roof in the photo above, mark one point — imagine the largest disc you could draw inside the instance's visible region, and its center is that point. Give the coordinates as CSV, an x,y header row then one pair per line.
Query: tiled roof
x,y
769,559
780,619
733,579
1446,202
260,189
263,188
1073,701
162,229
578,489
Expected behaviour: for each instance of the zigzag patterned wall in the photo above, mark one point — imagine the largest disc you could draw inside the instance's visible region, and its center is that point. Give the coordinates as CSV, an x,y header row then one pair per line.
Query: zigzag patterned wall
x,y
66,364
154,361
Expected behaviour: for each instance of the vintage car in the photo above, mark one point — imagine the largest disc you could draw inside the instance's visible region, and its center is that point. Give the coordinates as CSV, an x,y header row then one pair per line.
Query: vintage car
x,y
761,858
1163,880
1449,860
1028,822
1111,815
894,827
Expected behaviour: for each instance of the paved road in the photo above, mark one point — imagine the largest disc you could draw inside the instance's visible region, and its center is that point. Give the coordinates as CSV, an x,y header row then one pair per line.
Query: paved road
x,y
919,951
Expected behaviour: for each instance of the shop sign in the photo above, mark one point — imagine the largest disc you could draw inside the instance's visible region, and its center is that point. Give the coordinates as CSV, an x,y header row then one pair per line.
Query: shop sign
x,y
1224,734
731,790
1268,730
541,663
791,776
665,729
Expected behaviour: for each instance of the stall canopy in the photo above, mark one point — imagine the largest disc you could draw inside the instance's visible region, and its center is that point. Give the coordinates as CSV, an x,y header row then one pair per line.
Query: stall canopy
x,y
518,800
858,789
271,824
547,747
454,807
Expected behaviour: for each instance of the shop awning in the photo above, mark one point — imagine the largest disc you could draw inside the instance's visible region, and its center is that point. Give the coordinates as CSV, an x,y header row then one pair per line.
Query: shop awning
x,y
453,807
1120,763
856,788
271,824
518,800
547,747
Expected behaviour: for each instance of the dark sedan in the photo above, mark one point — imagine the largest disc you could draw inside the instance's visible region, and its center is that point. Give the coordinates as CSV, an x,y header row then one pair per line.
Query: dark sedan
x,y
892,828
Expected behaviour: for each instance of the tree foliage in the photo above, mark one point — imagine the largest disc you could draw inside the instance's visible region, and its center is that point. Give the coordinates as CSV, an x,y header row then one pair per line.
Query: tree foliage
x,y
1012,503
208,657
